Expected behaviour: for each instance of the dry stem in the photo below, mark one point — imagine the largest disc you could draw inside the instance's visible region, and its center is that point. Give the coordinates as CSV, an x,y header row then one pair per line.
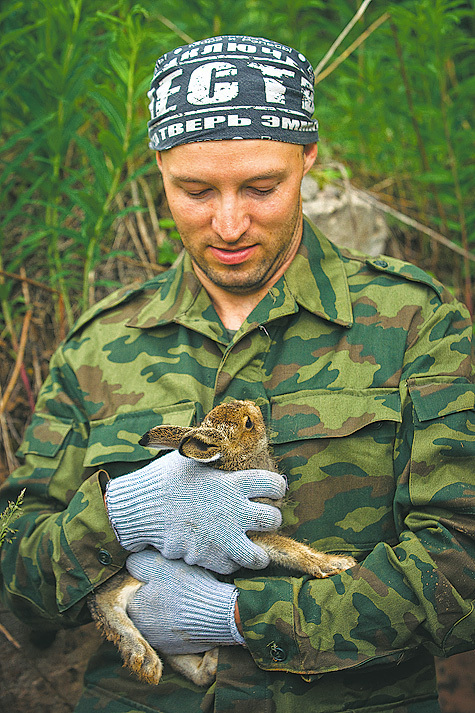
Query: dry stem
x,y
359,40
359,13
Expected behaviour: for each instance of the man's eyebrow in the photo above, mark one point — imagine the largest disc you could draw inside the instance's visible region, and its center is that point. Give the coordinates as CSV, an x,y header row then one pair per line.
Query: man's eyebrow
x,y
186,179
271,173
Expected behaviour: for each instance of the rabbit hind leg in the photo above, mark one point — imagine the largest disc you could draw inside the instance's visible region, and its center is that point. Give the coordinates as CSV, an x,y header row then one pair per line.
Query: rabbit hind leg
x,y
199,668
296,555
108,606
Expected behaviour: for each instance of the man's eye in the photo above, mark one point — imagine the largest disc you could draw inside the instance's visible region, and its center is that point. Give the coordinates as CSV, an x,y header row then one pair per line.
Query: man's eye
x,y
262,191
197,194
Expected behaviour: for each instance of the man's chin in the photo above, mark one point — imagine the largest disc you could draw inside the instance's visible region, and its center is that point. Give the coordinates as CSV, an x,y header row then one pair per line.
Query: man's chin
x,y
238,287
235,281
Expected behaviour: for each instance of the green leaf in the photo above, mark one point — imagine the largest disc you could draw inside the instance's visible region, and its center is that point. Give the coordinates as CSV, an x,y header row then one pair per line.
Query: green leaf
x,y
96,159
112,147
108,109
166,223
119,65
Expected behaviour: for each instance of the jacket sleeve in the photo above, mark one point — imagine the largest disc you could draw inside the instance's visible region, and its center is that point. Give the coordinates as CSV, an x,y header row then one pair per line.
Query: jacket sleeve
x,y
64,545
419,592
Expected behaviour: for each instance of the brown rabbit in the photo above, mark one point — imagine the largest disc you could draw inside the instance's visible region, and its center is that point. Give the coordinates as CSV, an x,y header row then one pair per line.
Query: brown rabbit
x,y
232,437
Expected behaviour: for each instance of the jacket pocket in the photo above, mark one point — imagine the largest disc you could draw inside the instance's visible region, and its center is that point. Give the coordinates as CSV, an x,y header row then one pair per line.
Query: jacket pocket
x,y
116,439
45,444
45,435
336,447
331,413
443,450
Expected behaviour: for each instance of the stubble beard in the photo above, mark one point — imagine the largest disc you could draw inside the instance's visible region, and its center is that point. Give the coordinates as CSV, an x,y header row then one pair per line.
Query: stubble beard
x,y
231,279
239,280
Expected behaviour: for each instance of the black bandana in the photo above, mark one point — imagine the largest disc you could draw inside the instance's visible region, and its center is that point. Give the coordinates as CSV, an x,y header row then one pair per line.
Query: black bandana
x,y
231,87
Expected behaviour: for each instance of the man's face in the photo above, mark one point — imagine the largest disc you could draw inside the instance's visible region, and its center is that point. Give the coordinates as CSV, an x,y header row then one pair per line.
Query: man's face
x,y
236,205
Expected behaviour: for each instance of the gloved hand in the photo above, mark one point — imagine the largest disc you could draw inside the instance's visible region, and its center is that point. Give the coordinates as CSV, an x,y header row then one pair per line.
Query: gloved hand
x,y
181,609
190,511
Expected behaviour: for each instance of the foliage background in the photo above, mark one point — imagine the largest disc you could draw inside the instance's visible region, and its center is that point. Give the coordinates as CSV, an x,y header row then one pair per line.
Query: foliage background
x,y
82,208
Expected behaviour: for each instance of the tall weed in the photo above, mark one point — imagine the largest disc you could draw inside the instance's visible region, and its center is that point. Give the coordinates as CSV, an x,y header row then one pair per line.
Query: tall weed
x,y
79,190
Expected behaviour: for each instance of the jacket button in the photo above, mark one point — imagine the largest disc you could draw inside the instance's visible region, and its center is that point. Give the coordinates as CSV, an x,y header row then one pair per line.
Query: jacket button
x,y
380,263
104,557
276,653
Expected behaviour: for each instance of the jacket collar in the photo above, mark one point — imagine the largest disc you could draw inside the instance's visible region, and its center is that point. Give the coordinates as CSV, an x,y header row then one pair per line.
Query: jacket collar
x,y
316,280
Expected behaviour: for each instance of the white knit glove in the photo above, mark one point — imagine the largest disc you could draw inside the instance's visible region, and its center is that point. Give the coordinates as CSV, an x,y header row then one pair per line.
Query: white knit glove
x,y
190,511
181,609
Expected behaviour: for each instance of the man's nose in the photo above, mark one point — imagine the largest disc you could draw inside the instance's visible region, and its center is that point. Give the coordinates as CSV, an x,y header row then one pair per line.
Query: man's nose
x,y
230,219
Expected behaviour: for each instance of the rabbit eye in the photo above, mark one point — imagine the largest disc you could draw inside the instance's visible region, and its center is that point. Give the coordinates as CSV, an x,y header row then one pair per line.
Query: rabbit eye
x,y
249,423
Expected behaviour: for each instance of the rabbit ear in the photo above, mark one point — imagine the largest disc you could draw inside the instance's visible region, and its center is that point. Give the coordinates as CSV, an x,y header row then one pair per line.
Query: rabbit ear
x,y
195,447
164,437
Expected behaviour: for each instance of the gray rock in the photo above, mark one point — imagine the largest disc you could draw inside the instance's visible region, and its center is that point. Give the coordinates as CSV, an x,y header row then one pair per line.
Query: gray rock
x,y
345,217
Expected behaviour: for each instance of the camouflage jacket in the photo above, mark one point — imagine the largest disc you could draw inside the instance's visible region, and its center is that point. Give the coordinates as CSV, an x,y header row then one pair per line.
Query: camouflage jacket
x,y
362,369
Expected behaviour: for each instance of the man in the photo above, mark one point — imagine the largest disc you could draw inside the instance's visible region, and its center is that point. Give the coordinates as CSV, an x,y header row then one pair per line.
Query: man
x,y
362,370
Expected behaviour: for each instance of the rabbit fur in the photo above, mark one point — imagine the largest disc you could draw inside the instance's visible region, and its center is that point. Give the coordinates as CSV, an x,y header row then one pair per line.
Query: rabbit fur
x,y
232,436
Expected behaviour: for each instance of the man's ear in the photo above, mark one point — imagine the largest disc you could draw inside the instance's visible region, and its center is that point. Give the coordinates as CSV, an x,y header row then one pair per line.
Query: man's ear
x,y
158,157
310,152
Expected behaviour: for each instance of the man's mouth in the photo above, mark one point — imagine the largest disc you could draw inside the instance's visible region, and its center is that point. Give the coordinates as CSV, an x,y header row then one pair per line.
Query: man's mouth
x,y
233,257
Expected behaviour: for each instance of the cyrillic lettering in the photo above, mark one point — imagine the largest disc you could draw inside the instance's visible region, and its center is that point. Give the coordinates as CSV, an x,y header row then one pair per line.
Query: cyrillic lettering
x,y
275,53
159,97
203,89
240,47
194,124
235,120
190,54
307,95
175,129
292,124
275,89
270,120
211,121
216,47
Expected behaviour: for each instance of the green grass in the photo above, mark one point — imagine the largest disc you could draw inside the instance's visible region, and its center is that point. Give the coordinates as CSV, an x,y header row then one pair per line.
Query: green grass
x,y
74,163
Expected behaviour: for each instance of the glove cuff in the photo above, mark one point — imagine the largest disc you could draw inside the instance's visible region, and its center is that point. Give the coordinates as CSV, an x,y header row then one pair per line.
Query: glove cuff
x,y
236,634
210,618
134,508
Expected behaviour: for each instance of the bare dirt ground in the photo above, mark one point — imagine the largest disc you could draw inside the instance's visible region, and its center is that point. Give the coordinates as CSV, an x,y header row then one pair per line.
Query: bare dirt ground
x,y
457,683
35,680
